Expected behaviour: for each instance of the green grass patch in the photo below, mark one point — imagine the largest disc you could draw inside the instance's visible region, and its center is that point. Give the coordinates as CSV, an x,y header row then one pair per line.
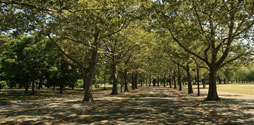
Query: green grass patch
x,y
232,88
237,88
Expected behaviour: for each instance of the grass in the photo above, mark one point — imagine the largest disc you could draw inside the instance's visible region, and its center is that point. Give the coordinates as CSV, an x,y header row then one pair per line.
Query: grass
x,y
233,88
14,95
237,88
7,95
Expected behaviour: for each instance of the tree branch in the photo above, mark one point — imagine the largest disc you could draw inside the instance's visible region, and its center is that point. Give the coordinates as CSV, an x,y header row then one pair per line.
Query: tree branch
x,y
68,56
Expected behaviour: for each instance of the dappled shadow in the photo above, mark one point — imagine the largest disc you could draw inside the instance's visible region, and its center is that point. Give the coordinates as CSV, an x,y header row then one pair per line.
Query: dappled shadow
x,y
237,108
239,111
155,105
47,110
152,105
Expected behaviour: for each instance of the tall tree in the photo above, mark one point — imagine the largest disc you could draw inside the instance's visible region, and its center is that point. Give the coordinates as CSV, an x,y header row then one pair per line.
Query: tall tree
x,y
218,27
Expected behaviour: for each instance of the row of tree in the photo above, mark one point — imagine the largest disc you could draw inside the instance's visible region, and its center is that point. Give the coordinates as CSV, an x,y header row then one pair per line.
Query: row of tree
x,y
144,40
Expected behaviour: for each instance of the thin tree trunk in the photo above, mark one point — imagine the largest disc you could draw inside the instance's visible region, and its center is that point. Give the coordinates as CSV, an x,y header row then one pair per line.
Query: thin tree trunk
x,y
198,79
132,81
154,82
190,89
33,86
174,78
136,80
26,87
40,84
179,78
170,82
114,76
83,77
158,83
104,88
61,87
204,84
125,81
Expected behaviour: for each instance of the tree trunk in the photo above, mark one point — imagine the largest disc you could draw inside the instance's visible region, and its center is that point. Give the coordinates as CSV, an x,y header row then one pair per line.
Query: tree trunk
x,y
158,83
212,92
203,83
88,97
136,80
225,81
220,81
40,84
83,77
146,81
125,81
179,78
170,83
104,88
72,86
164,82
33,86
190,89
174,78
61,87
122,83
26,87
114,77
154,82
198,79
132,81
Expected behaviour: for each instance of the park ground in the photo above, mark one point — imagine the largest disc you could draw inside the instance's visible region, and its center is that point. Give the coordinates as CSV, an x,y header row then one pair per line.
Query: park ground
x,y
146,105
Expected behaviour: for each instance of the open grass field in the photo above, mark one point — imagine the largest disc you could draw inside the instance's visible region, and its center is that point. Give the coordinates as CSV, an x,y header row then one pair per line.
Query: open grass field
x,y
232,88
237,88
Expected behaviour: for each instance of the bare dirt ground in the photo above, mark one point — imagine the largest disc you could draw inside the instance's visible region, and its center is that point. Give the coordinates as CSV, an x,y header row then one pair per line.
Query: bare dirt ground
x,y
53,109
148,105
237,108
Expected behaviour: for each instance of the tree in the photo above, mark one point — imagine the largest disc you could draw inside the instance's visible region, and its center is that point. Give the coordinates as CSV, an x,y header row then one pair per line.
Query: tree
x,y
117,49
197,23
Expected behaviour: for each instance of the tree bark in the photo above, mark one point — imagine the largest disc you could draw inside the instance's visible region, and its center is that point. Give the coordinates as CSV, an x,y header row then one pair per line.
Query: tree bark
x,y
190,89
125,81
158,82
33,86
204,84
220,81
61,87
40,84
174,78
104,88
198,79
154,82
132,81
164,82
88,97
212,92
179,78
170,83
114,77
136,80
83,71
26,87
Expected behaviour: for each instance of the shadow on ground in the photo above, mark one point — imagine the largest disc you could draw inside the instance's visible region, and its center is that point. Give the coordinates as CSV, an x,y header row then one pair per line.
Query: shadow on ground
x,y
155,105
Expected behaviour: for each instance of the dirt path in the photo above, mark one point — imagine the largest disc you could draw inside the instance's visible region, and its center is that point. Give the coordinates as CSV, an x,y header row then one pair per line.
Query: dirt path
x,y
52,109
154,105
148,105
237,108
